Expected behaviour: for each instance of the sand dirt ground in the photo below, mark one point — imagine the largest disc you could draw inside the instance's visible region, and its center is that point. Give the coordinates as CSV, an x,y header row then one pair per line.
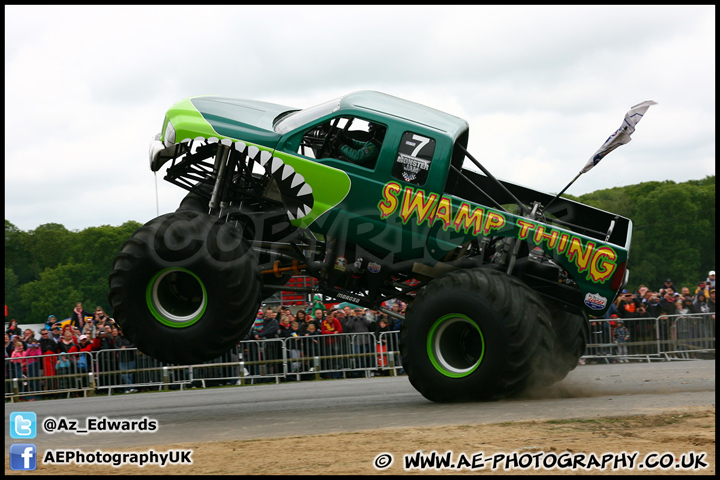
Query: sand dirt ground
x,y
677,432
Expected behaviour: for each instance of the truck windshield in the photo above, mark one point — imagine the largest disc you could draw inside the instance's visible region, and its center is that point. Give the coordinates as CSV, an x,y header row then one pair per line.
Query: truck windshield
x,y
290,122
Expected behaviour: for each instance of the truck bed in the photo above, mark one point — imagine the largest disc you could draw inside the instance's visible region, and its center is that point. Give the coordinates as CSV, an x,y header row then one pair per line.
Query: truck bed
x,y
564,213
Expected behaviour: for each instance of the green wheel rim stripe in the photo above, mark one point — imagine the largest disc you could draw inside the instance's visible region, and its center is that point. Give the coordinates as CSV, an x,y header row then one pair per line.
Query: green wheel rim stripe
x,y
197,315
435,353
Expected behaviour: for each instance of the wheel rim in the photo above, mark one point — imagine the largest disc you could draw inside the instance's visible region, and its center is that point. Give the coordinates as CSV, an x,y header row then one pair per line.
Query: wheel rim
x,y
176,297
455,345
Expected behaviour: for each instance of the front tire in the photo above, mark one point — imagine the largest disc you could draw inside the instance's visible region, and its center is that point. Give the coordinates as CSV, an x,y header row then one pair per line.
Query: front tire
x,y
185,287
475,334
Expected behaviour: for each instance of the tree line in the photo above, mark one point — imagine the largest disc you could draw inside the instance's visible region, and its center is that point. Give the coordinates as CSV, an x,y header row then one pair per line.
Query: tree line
x,y
50,268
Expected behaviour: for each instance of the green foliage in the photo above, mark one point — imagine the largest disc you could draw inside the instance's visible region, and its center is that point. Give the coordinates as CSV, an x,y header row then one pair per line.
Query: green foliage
x,y
17,257
12,293
47,246
57,288
49,269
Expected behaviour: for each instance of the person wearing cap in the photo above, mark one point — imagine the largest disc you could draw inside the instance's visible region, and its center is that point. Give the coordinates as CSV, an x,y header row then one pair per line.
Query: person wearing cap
x,y
620,337
83,361
83,341
667,285
51,320
710,281
628,305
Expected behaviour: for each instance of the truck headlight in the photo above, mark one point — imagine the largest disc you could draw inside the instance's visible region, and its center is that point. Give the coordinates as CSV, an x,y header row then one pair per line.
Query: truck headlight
x,y
169,134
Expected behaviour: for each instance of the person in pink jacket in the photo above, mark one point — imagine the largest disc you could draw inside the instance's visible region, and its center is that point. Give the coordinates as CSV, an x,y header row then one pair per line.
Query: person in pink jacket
x,y
22,365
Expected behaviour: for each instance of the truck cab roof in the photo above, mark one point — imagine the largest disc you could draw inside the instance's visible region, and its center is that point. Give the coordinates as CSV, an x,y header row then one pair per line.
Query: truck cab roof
x,y
411,112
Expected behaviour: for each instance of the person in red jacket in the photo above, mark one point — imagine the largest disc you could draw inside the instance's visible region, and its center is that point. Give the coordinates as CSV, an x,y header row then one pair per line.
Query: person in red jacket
x,y
330,326
82,364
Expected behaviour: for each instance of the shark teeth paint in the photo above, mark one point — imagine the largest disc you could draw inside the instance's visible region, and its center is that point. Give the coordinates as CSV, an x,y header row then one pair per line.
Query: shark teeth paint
x,y
297,195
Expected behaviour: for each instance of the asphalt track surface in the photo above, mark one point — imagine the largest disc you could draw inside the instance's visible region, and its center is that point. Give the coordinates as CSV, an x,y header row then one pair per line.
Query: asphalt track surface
x,y
333,406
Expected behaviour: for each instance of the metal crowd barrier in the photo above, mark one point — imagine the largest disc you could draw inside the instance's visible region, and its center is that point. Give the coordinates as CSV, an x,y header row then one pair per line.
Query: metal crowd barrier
x,y
389,357
60,374
668,337
674,337
125,370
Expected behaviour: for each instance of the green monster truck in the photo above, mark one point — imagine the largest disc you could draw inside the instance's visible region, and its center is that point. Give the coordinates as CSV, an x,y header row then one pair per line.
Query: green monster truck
x,y
499,285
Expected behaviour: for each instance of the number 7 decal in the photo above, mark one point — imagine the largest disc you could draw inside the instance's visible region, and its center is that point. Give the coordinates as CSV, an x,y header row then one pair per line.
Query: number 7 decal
x,y
423,141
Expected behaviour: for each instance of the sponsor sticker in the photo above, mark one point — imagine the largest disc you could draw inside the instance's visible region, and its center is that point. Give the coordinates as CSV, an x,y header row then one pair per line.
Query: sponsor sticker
x,y
595,301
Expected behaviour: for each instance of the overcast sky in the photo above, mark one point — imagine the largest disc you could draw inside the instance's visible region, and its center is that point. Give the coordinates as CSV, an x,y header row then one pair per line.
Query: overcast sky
x,y
542,87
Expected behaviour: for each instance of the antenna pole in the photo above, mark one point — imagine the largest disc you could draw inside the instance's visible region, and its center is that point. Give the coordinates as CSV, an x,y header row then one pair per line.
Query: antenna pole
x,y
562,191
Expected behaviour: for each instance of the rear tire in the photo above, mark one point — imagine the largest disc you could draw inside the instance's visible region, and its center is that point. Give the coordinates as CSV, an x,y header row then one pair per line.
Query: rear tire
x,y
185,288
571,333
475,334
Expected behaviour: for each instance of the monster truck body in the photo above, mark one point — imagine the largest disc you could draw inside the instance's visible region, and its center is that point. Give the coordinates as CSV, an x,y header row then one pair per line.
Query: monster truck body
x,y
496,283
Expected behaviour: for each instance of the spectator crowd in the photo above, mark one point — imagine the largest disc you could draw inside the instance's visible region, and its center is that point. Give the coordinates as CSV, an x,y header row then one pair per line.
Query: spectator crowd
x,y
663,303
62,346
61,351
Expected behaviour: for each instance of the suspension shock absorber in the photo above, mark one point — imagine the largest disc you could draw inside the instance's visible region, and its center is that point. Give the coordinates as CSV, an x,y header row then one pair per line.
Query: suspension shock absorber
x,y
219,170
